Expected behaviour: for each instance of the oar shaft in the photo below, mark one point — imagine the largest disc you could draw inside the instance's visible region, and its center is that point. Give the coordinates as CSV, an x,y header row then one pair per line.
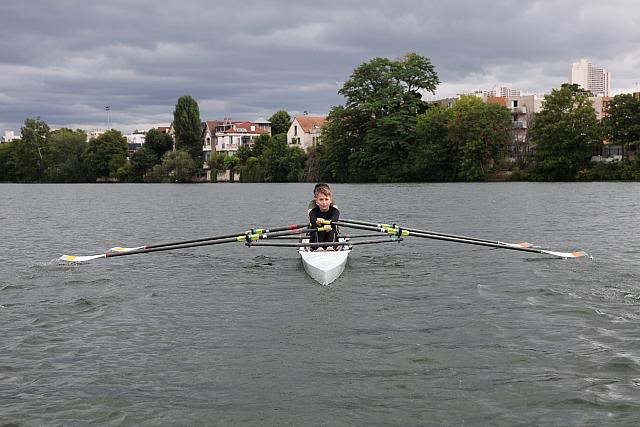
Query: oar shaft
x,y
415,230
237,238
438,237
224,237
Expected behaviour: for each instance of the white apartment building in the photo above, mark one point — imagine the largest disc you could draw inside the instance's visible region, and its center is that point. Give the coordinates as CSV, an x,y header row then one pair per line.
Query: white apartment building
x,y
590,77
501,91
9,136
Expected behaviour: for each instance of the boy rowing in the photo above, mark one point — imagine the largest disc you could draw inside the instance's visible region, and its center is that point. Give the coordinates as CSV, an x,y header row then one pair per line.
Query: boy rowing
x,y
323,209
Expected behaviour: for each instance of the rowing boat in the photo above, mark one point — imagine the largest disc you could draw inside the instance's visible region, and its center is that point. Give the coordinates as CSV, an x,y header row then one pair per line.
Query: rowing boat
x,y
324,266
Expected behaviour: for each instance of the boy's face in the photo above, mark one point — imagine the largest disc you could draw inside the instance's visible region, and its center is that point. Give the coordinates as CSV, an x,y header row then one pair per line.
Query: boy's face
x,y
323,201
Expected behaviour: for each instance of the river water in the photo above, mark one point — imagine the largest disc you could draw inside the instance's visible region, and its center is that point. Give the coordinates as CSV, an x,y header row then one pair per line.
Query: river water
x,y
417,333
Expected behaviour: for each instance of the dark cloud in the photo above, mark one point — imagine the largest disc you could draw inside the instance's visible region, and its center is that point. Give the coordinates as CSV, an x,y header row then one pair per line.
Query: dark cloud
x,y
65,60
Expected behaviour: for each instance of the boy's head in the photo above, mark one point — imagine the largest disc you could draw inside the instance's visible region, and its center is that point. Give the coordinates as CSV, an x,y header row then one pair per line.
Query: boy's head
x,y
322,195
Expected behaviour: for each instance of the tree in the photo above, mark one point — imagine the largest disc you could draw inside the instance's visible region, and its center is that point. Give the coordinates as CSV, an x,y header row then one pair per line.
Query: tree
x,y
63,156
435,155
565,134
177,166
186,122
622,122
158,142
141,162
7,164
481,132
28,151
280,122
378,121
105,154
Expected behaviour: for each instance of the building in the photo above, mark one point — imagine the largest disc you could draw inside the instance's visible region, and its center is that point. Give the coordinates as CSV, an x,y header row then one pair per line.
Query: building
x,y
305,131
590,77
94,133
226,136
134,141
9,136
501,91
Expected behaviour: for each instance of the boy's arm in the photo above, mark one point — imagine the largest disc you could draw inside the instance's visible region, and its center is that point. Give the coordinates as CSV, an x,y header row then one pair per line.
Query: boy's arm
x,y
313,217
335,215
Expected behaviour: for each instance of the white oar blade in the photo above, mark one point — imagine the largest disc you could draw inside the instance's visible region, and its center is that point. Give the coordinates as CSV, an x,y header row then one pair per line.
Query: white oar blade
x,y
576,254
74,258
121,249
517,245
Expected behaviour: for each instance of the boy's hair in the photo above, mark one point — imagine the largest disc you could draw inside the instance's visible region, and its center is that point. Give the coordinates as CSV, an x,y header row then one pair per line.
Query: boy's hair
x,y
322,188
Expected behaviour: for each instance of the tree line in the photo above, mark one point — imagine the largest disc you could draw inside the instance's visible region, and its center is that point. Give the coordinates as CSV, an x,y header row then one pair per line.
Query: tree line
x,y
385,132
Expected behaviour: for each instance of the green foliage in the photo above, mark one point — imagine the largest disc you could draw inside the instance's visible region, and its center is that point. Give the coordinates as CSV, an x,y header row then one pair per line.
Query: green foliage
x,y
280,122
565,134
614,171
186,122
28,159
342,136
176,166
7,165
63,156
462,143
622,122
142,161
481,131
435,156
313,167
158,142
231,163
370,138
575,89
105,154
252,171
216,162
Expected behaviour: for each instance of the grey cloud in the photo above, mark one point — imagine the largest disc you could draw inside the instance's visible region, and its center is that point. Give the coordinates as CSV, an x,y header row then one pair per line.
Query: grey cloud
x,y
65,60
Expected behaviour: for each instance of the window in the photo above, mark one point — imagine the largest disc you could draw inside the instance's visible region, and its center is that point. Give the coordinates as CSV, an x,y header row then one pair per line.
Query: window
x,y
295,131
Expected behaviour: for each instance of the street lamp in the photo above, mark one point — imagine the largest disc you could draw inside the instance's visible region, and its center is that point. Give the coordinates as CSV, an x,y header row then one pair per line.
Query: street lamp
x,y
108,108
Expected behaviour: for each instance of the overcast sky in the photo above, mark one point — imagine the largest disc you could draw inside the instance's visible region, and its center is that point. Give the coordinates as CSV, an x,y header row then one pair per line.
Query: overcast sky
x,y
65,60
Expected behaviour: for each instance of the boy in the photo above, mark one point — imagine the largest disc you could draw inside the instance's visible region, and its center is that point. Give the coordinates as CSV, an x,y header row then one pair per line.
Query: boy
x,y
324,209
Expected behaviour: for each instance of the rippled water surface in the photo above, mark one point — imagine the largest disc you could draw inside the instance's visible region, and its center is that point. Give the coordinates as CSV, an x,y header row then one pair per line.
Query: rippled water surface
x,y
417,333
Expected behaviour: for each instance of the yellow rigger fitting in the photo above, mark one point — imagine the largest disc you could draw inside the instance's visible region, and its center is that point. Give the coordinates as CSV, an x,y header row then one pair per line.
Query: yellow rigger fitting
x,y
243,238
397,231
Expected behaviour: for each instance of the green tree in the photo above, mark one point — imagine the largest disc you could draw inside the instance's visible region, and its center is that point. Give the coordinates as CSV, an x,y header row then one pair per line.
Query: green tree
x,y
280,122
188,130
481,132
105,154
176,166
28,152
565,134
63,156
142,161
383,98
622,122
435,155
158,142
7,165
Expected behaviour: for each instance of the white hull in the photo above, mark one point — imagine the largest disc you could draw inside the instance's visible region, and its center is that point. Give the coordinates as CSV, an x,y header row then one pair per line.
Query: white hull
x,y
324,266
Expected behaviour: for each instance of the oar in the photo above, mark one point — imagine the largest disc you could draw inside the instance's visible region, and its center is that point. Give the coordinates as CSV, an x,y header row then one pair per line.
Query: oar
x,y
243,238
404,232
206,239
435,233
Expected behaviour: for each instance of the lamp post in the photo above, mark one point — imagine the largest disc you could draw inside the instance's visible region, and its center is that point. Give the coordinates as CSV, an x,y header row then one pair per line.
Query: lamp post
x,y
108,108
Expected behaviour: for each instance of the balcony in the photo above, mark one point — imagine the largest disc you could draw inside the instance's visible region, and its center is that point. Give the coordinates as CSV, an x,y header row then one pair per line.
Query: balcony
x,y
519,110
519,125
